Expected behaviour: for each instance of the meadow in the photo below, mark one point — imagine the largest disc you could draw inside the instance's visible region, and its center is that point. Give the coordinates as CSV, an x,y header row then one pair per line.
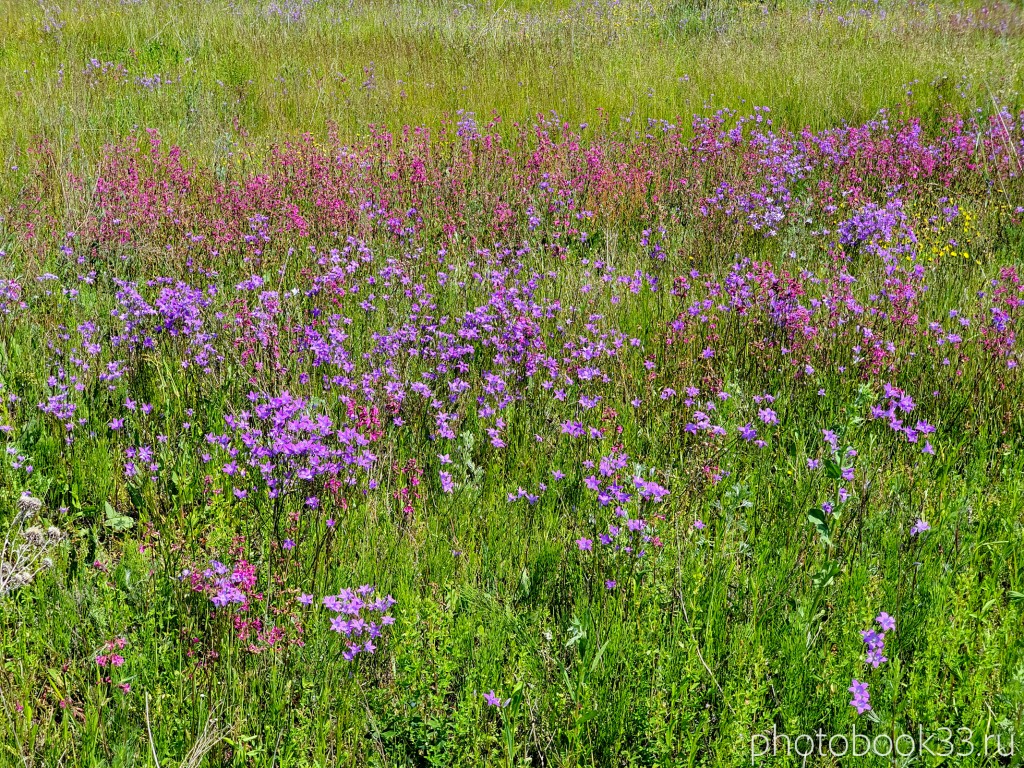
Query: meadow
x,y
408,383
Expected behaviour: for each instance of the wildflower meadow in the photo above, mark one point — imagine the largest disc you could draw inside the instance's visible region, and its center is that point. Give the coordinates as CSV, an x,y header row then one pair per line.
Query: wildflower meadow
x,y
593,383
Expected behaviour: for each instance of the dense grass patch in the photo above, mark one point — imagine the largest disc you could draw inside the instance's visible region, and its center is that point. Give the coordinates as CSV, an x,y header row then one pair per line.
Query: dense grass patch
x,y
215,75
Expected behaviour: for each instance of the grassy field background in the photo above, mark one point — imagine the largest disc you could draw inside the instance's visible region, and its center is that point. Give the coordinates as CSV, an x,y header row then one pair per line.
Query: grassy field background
x,y
641,362
210,74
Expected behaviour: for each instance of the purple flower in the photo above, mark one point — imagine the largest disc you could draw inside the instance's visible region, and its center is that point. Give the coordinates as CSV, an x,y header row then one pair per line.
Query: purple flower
x,y
573,429
875,657
650,489
447,484
610,585
493,700
306,599
886,622
585,545
920,527
747,432
831,438
872,639
287,544
861,697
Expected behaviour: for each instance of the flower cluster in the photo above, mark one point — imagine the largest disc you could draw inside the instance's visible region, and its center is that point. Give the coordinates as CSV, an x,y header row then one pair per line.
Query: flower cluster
x,y
359,619
110,660
898,405
225,585
875,642
861,696
110,656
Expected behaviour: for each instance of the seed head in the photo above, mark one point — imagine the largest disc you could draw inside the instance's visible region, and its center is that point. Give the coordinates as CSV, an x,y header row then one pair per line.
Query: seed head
x,y
29,505
35,536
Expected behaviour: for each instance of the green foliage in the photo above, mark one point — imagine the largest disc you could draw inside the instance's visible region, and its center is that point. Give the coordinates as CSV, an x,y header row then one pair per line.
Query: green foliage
x,y
242,75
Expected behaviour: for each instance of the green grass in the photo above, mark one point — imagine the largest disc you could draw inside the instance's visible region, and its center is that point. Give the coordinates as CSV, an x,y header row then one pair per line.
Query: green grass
x,y
241,74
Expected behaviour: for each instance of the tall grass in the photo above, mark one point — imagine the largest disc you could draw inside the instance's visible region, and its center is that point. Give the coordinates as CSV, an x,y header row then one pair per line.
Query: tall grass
x,y
258,71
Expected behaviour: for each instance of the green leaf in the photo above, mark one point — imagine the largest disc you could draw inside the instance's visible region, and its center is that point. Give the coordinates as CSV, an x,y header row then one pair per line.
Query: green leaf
x,y
819,519
832,469
115,520
826,575
524,582
576,633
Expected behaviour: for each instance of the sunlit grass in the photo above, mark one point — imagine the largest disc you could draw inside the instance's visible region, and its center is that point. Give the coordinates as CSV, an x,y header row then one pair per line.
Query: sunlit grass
x,y
234,71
